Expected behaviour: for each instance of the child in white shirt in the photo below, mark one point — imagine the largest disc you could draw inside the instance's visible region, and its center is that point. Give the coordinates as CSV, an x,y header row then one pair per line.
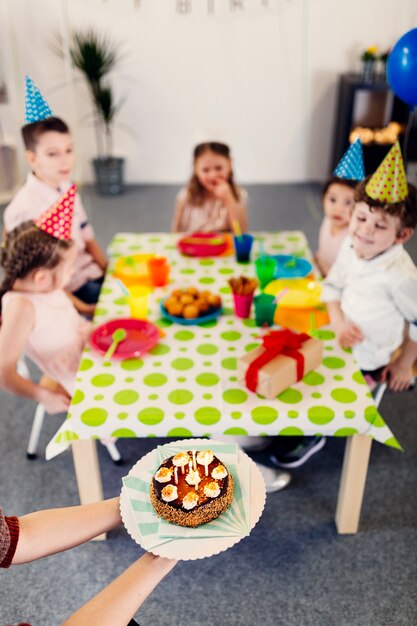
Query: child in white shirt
x,y
371,290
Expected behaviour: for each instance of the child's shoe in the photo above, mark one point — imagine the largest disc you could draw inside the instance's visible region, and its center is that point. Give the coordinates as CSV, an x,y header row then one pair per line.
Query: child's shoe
x,y
298,455
273,478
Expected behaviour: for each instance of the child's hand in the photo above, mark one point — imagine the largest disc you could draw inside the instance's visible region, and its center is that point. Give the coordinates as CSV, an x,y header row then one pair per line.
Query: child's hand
x,y
348,335
397,375
223,191
54,402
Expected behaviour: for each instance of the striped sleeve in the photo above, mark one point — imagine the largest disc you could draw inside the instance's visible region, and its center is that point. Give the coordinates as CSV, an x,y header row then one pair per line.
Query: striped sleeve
x,y
9,536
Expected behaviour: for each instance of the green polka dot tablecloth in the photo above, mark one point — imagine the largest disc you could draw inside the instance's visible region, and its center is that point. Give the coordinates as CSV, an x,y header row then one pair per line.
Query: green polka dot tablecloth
x,y
187,385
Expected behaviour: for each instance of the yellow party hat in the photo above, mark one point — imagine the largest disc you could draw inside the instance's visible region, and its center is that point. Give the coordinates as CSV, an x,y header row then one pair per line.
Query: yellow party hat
x,y
389,184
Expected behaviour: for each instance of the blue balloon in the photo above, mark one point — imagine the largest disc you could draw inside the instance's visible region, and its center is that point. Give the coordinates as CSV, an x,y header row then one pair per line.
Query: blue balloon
x,y
402,68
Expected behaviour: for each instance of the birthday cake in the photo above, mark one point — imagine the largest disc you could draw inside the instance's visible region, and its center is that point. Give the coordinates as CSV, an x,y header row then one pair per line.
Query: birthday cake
x,y
191,488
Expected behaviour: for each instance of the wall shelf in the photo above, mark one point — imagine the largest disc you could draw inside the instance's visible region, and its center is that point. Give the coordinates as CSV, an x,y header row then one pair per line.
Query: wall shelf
x,y
367,104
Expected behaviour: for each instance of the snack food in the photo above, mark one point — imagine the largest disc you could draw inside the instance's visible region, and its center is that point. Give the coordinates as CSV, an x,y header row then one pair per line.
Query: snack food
x,y
243,286
191,488
191,303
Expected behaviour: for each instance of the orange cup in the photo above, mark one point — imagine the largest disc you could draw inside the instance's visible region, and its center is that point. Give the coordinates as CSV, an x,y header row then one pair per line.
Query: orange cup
x,y
158,270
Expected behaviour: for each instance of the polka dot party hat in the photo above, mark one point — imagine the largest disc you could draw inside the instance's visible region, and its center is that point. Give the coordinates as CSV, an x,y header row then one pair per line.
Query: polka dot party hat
x,y
57,221
389,183
351,165
36,107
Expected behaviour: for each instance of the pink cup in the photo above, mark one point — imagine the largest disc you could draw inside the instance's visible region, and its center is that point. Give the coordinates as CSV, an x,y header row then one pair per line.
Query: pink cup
x,y
243,305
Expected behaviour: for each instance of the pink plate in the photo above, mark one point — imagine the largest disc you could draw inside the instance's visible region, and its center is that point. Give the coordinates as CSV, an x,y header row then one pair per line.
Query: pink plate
x,y
202,244
141,337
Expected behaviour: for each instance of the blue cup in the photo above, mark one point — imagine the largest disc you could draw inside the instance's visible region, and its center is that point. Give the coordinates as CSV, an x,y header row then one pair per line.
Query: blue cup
x,y
243,247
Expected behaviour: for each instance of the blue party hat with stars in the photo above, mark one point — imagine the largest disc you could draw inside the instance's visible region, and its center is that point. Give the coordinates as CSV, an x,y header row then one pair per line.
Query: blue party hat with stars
x,y
36,106
351,165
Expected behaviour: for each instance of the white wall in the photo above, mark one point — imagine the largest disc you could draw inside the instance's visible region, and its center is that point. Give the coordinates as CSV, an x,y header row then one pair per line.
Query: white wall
x,y
268,79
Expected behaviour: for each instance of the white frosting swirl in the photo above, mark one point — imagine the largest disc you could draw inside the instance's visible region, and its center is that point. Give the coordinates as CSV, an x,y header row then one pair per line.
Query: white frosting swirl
x,y
219,472
212,490
190,500
181,459
164,474
193,477
205,457
169,493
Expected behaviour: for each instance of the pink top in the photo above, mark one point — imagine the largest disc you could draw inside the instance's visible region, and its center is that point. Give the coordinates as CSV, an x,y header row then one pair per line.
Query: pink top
x,y
58,336
209,217
33,199
329,245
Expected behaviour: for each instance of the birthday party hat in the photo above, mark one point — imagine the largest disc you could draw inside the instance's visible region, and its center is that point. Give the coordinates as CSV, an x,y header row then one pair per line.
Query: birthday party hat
x,y
351,165
57,220
36,107
389,183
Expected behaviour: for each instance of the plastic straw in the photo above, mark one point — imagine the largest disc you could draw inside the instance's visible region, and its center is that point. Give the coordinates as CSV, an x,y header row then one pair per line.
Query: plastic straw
x,y
236,229
125,291
262,251
281,294
312,323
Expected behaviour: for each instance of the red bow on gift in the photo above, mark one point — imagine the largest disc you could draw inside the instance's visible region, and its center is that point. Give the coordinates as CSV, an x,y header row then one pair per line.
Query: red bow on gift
x,y
277,342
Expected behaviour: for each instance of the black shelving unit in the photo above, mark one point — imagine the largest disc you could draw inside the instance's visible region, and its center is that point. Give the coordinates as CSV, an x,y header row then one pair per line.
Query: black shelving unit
x,y
368,104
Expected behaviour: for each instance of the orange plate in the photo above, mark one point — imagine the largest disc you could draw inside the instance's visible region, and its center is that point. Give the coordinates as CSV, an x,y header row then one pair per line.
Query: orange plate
x,y
299,319
230,250
137,274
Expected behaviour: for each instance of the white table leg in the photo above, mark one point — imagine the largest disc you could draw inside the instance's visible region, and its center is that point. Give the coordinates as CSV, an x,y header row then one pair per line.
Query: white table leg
x,y
352,483
87,472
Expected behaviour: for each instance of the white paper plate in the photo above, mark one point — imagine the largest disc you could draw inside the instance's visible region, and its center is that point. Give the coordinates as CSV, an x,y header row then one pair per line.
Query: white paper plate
x,y
190,549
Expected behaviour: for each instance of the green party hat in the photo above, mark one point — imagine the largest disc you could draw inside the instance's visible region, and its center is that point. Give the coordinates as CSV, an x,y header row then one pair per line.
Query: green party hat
x,y
389,184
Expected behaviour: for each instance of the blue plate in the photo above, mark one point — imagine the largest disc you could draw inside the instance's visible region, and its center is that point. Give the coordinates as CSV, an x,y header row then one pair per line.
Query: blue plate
x,y
186,322
301,268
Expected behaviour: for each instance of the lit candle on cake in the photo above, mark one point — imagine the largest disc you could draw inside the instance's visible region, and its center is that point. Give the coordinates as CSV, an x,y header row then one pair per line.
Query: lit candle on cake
x,y
176,475
193,477
205,457
194,463
180,460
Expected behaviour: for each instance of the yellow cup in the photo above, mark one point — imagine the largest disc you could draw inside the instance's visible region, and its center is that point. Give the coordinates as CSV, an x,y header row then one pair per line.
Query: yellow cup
x,y
138,301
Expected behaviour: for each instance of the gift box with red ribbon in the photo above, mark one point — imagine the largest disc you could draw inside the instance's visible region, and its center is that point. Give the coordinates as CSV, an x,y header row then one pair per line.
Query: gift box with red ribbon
x,y
283,359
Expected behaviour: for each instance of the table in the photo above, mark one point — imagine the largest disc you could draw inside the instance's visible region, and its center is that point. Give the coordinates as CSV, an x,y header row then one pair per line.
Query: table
x,y
187,384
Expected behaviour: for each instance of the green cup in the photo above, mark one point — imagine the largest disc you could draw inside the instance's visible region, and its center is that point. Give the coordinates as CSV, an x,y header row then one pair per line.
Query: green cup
x,y
266,267
264,309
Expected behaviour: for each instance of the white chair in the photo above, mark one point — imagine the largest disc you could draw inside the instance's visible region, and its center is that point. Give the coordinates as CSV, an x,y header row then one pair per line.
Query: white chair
x,y
39,416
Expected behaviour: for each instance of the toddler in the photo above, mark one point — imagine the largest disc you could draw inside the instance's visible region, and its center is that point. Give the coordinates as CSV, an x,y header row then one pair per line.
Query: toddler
x,y
50,155
371,290
338,204
38,317
211,201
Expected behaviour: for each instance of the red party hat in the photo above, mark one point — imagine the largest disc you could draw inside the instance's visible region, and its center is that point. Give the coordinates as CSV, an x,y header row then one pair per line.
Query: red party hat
x,y
57,221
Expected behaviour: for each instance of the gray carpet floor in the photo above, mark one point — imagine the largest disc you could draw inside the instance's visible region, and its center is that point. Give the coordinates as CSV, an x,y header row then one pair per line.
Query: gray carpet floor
x,y
293,570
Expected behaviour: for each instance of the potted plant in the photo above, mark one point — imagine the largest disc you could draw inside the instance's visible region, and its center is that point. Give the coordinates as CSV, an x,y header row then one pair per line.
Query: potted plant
x,y
383,59
368,57
95,56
